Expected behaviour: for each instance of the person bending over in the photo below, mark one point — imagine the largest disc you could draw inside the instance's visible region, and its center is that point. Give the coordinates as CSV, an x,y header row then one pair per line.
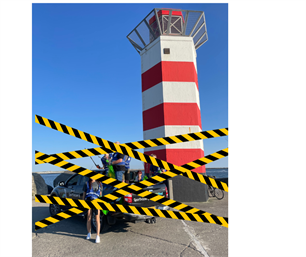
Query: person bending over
x,y
154,170
119,165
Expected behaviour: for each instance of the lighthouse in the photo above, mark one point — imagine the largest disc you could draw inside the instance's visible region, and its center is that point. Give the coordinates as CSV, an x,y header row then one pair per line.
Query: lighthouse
x,y
167,40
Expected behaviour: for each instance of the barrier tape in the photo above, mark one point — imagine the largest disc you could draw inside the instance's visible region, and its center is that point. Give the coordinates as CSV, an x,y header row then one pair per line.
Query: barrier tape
x,y
76,133
100,205
172,169
57,218
43,158
145,143
124,188
177,139
100,150
142,184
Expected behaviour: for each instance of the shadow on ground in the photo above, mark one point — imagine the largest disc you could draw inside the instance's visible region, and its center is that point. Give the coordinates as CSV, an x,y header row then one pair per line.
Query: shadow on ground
x,y
73,227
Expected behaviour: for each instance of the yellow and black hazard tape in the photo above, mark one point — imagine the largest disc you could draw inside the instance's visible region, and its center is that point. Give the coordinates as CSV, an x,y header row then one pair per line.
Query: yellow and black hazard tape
x,y
145,143
177,204
124,188
172,169
92,152
100,205
57,161
114,196
58,217
177,139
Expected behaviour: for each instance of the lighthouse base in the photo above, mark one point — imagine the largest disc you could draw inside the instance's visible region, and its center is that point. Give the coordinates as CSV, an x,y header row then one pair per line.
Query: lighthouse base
x,y
183,189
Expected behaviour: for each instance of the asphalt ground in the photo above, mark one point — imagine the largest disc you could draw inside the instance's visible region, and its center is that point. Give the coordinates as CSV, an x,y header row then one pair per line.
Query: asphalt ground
x,y
165,238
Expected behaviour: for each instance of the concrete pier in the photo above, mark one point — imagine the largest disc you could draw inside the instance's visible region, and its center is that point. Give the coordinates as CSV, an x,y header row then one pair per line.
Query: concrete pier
x,y
167,237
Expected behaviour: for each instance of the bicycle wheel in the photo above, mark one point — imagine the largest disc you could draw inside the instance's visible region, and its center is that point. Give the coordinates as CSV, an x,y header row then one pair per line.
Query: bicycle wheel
x,y
219,194
211,191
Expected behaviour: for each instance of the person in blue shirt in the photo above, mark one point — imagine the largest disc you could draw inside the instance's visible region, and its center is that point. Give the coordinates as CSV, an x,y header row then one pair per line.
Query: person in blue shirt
x,y
91,191
154,170
127,160
119,165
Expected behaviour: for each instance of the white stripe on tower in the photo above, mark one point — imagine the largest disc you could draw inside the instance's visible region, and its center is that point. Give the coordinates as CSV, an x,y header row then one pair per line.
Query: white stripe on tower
x,y
170,92
170,98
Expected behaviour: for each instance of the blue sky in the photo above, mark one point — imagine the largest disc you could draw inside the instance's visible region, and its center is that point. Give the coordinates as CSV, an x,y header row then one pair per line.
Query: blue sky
x,y
87,75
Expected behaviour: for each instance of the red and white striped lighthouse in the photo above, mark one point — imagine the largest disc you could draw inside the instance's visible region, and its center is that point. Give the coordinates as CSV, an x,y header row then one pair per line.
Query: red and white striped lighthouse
x,y
170,90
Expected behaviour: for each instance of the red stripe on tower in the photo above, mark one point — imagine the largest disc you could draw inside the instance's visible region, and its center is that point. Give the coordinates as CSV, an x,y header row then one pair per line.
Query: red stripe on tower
x,y
169,71
177,156
171,104
172,114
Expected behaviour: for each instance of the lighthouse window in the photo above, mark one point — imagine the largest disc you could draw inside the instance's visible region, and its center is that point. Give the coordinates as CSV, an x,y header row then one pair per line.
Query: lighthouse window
x,y
175,26
166,50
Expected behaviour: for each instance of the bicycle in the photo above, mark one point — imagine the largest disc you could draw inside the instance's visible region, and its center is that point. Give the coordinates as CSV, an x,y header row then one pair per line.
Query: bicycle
x,y
215,192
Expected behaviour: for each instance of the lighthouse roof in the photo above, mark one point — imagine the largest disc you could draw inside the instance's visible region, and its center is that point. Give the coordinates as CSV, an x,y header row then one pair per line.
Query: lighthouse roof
x,y
169,22
165,12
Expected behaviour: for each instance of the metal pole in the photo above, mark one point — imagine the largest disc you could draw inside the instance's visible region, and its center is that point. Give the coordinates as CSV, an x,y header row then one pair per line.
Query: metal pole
x,y
196,47
195,25
185,24
200,38
170,184
136,45
139,23
198,29
144,44
169,21
151,30
157,20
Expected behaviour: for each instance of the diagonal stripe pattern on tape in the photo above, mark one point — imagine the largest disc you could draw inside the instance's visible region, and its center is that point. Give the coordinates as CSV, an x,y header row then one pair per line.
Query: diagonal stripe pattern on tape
x,y
85,204
124,187
145,143
100,150
55,160
134,154
58,217
177,139
138,186
189,174
191,165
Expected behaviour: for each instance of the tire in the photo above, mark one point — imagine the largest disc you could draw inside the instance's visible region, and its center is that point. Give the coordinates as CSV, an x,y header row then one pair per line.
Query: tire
x,y
211,191
111,220
54,209
103,225
219,194
151,220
